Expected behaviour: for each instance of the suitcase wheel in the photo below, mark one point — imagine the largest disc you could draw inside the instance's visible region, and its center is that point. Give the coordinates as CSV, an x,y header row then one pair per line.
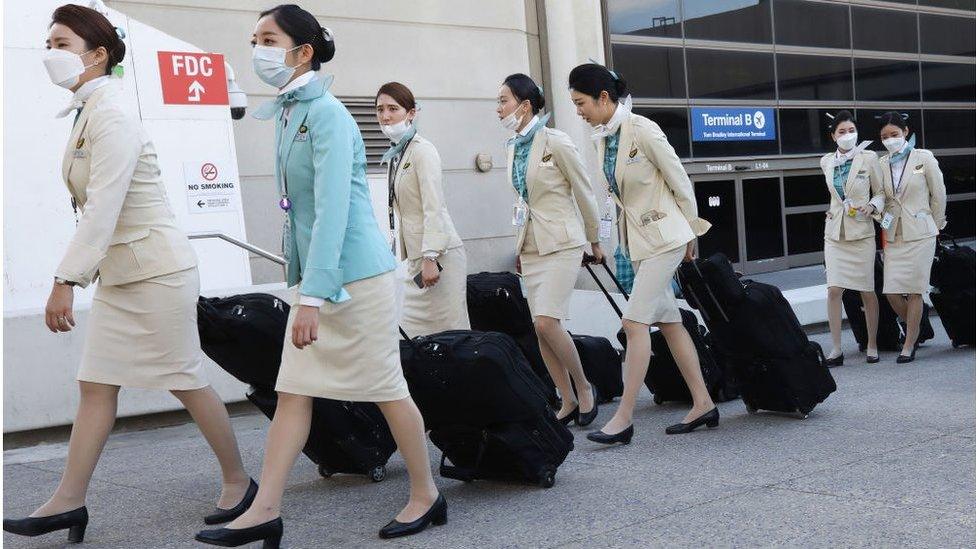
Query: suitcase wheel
x,y
802,415
751,409
547,478
378,473
325,472
658,400
956,345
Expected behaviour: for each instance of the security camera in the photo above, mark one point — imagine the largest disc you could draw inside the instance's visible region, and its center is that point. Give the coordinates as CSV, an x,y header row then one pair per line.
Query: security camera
x,y
238,99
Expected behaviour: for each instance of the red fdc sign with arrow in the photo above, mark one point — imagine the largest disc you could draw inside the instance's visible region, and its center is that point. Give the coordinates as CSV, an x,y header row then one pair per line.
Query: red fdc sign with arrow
x,y
192,78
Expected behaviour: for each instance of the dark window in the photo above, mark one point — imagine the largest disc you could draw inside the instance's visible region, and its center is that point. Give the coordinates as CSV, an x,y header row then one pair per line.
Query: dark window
x,y
884,80
793,17
763,218
651,71
674,123
731,20
961,221
661,18
885,30
805,131
947,35
814,77
805,233
730,75
955,4
948,82
805,190
869,128
959,173
950,129
716,203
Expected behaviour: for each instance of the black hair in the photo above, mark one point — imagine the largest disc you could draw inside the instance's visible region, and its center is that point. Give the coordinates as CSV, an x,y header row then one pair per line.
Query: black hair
x,y
95,29
841,116
523,87
591,79
303,28
894,118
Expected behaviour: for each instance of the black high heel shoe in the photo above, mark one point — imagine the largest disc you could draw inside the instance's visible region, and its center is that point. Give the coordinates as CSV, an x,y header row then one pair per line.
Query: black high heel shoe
x,y
74,521
709,418
836,361
570,417
586,418
227,515
269,532
623,437
436,515
873,359
905,359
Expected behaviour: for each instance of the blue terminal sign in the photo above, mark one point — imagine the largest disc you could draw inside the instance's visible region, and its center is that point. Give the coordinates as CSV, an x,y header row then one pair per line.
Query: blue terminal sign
x,y
733,124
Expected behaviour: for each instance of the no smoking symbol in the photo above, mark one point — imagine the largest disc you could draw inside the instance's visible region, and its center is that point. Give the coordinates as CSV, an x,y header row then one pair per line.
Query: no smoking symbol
x,y
209,171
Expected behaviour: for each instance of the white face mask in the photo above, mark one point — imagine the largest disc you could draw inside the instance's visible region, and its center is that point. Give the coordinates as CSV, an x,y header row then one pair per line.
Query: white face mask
x,y
65,67
269,64
512,121
847,141
395,132
893,144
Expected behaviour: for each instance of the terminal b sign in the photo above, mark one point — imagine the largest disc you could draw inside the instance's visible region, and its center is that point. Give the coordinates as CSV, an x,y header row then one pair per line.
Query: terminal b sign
x,y
733,124
190,78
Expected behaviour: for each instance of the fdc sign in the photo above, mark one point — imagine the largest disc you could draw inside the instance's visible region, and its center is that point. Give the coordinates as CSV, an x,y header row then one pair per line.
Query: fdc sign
x,y
192,78
733,124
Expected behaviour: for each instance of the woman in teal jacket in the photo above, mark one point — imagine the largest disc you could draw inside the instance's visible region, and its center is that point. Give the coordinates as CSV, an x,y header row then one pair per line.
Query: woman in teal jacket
x,y
342,324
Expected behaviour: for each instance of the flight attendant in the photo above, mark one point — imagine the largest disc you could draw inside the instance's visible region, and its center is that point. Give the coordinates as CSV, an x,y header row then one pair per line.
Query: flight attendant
x,y
853,177
657,225
142,327
435,292
342,335
556,220
914,212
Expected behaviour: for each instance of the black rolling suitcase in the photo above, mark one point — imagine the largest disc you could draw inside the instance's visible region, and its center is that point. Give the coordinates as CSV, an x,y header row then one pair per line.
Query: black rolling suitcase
x,y
663,378
244,335
485,409
776,366
954,287
601,364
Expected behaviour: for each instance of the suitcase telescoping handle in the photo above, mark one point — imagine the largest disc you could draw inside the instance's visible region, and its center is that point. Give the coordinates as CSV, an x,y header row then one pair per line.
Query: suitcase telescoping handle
x,y
603,288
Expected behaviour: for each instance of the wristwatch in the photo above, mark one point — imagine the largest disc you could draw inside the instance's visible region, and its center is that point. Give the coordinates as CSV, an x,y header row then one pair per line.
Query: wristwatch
x,y
63,282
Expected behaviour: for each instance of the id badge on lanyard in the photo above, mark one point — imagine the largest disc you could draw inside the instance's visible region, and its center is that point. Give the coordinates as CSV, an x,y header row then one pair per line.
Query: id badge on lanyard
x,y
520,212
606,219
886,220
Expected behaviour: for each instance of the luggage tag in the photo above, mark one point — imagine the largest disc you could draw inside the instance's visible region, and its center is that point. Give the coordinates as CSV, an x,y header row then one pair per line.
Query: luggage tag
x,y
522,285
606,220
886,220
520,213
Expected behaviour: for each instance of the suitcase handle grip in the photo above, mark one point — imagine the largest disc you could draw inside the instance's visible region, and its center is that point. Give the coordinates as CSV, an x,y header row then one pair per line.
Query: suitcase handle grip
x,y
603,288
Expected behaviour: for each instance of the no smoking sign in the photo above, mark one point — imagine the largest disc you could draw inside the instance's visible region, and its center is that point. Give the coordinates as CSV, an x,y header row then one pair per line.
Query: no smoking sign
x,y
207,190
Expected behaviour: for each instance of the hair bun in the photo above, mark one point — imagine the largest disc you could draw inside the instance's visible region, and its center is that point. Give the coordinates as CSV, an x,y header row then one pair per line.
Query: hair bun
x,y
327,34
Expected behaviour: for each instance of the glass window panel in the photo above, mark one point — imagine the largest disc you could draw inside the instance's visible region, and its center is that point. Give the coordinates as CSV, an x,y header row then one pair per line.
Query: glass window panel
x,y
959,214
946,35
716,203
885,30
959,173
674,123
730,20
650,71
886,80
954,4
950,129
806,190
805,131
868,127
712,149
644,17
730,75
792,19
805,233
814,77
948,82
763,218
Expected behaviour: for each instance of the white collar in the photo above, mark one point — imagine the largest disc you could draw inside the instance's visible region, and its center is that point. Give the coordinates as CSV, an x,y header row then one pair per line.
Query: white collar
x,y
624,107
297,82
840,158
528,127
84,93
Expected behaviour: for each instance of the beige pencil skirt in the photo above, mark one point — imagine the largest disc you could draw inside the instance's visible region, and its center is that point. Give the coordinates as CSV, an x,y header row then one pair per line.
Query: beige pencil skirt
x,y
549,279
439,308
652,297
357,354
850,263
907,265
144,334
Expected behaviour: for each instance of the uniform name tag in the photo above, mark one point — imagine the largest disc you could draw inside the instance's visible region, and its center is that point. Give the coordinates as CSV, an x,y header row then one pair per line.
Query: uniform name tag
x,y
78,153
301,137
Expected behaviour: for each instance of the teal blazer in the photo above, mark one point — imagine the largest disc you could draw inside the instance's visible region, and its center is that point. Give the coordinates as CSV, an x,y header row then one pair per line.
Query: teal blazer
x,y
334,237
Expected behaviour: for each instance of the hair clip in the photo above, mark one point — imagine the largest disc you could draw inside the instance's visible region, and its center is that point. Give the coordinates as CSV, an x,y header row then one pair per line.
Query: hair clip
x,y
828,115
119,32
612,73
540,89
904,116
327,34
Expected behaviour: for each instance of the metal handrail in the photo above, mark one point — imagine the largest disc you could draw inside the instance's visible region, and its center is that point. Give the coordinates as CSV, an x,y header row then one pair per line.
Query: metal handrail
x,y
240,244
